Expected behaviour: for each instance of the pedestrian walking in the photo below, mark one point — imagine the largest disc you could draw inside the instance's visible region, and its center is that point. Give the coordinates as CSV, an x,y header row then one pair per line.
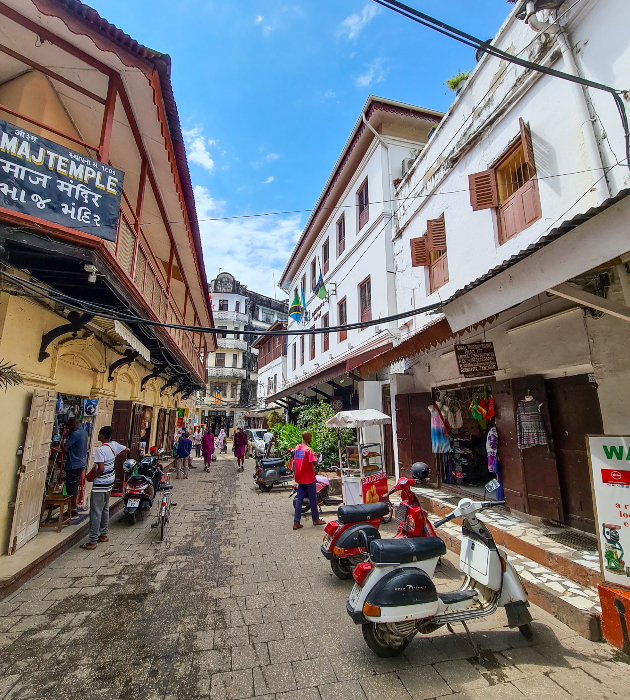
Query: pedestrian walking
x,y
102,476
240,443
219,443
196,440
76,450
184,448
207,449
304,470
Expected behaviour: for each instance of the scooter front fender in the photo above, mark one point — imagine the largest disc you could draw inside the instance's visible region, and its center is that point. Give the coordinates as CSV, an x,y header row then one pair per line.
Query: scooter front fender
x,y
512,590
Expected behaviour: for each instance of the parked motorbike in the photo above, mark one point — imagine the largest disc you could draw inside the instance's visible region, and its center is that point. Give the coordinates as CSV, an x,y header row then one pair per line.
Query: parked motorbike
x,y
323,495
394,597
274,471
341,545
139,490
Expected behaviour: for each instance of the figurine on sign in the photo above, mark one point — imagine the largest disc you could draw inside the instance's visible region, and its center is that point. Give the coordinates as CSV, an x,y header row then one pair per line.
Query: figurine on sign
x,y
614,551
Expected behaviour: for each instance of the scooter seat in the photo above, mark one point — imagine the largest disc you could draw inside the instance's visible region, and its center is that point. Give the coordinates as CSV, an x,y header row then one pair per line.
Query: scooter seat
x,y
274,462
359,513
140,477
403,550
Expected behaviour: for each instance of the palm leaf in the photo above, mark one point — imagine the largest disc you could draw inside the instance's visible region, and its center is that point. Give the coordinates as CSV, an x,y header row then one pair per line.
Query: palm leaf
x,y
8,375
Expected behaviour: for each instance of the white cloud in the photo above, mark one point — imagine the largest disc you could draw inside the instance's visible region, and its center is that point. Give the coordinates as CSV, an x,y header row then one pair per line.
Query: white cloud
x,y
197,146
259,19
272,156
270,179
206,204
353,24
329,94
250,249
375,73
267,29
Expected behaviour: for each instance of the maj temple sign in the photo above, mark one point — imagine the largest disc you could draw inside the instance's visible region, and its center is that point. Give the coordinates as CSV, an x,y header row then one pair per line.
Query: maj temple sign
x,y
48,181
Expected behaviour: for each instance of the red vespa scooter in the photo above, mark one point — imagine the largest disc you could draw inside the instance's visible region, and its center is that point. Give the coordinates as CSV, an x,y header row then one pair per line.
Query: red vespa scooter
x,y
341,539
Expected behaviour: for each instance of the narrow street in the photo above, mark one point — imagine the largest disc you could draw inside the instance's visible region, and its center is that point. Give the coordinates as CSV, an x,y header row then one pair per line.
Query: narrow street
x,y
238,605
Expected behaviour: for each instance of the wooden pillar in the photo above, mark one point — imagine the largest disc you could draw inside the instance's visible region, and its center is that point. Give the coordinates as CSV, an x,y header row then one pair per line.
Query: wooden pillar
x,y
108,119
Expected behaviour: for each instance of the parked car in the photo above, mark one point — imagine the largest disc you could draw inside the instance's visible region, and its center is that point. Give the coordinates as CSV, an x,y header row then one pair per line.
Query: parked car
x,y
255,442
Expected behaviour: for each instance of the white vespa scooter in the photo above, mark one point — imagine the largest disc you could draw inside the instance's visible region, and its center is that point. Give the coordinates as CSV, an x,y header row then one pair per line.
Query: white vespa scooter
x,y
394,597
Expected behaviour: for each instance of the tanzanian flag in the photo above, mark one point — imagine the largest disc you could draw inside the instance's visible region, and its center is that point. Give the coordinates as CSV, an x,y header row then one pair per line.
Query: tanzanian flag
x,y
296,309
319,288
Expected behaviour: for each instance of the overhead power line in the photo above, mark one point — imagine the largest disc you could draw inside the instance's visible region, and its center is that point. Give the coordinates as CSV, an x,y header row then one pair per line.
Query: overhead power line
x,y
486,47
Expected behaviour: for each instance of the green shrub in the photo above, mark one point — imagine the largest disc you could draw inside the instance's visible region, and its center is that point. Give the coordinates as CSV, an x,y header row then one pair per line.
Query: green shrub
x,y
454,82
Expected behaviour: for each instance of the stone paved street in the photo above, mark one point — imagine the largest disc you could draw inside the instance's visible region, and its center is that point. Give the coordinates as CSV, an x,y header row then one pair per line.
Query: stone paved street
x,y
238,605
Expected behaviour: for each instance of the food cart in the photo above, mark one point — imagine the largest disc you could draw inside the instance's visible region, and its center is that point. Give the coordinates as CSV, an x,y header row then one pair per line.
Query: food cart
x,y
363,476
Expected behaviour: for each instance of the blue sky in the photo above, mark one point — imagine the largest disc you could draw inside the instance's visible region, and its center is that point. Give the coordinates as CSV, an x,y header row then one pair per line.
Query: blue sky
x,y
268,92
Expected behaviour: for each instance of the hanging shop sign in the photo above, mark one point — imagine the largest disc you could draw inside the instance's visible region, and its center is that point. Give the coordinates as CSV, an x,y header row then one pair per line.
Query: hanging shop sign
x,y
609,459
476,359
48,181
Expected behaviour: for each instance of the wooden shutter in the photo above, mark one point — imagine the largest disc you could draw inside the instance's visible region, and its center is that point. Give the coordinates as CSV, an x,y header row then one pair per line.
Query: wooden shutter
x,y
436,234
419,252
531,202
528,149
484,193
126,244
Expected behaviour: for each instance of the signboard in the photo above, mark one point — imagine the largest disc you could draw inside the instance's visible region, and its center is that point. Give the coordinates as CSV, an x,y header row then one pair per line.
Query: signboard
x,y
48,181
609,458
476,359
374,487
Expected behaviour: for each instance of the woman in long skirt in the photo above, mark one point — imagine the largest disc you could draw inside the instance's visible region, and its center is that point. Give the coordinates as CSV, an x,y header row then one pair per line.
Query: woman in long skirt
x,y
207,449
240,443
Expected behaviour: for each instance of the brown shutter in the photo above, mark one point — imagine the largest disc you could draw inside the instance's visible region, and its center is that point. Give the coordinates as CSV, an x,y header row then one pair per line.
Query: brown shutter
x,y
419,252
528,149
531,202
484,193
436,234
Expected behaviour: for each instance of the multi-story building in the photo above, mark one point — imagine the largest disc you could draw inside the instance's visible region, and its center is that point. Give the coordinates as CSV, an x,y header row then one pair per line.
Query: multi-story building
x,y
348,238
98,234
514,219
232,371
272,368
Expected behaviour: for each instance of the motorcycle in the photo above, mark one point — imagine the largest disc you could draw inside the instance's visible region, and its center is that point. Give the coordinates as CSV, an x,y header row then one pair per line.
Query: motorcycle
x,y
341,546
394,597
139,490
274,471
323,495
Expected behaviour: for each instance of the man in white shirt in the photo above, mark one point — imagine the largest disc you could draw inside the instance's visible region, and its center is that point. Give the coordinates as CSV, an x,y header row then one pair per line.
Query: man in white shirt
x,y
102,477
268,437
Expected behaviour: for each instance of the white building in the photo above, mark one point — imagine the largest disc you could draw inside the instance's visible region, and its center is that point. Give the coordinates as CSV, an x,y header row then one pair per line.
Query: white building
x,y
349,239
515,217
272,368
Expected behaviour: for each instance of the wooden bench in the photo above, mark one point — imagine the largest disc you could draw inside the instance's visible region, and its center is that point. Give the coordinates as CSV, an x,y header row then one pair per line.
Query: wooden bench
x,y
51,502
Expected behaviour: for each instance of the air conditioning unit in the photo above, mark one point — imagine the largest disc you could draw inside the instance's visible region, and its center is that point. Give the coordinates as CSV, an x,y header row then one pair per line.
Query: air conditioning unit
x,y
406,165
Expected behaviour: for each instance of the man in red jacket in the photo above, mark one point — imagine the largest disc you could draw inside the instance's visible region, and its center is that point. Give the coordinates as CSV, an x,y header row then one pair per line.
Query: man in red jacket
x,y
303,465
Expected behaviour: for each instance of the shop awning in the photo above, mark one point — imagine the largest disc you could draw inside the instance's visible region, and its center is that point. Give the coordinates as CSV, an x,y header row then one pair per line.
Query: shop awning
x,y
121,330
432,335
358,419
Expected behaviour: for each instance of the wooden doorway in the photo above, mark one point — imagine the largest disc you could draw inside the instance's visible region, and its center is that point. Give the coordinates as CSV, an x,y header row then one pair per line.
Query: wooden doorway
x,y
121,427
413,432
388,447
575,413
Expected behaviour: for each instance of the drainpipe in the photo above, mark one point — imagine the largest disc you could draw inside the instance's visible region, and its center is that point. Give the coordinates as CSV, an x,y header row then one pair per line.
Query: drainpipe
x,y
587,121
389,164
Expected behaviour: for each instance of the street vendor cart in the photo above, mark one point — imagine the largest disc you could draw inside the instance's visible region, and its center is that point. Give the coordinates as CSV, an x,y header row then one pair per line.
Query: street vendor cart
x,y
363,475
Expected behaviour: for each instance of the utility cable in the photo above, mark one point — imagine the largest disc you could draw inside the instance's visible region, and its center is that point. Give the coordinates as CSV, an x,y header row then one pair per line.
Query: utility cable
x,y
486,47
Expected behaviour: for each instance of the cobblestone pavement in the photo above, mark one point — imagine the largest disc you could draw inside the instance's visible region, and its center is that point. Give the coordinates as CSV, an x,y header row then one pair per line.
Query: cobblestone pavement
x,y
238,605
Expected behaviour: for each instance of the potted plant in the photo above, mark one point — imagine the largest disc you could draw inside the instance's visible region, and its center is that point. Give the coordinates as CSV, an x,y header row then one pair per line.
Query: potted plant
x,y
458,81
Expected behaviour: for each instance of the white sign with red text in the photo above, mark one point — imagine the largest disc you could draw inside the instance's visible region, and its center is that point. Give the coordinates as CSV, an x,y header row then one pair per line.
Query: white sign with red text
x,y
610,468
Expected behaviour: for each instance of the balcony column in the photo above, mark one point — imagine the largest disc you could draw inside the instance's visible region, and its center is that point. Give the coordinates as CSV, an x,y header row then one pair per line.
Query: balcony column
x,y
108,119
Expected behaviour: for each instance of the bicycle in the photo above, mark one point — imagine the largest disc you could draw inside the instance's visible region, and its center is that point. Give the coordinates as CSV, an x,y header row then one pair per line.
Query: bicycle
x,y
164,509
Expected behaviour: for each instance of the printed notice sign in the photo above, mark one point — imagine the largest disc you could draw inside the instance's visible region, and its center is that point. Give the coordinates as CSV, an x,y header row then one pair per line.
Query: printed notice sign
x,y
609,458
476,359
43,179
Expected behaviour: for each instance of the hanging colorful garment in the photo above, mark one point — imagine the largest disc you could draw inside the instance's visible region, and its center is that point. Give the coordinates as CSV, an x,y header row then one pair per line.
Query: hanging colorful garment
x,y
492,447
482,407
440,443
530,425
491,408
473,408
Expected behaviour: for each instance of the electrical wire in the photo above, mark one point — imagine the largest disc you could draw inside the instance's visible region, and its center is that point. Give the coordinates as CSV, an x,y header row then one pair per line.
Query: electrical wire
x,y
486,47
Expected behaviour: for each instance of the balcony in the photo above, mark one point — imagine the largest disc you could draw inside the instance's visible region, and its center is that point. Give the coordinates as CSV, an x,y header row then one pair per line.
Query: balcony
x,y
229,372
229,316
231,343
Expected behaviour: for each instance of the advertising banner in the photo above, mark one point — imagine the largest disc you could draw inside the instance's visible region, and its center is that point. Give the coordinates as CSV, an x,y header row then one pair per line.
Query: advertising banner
x,y
374,487
48,181
609,458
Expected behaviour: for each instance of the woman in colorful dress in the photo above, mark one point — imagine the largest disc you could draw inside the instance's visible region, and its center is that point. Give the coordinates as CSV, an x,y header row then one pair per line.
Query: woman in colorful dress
x,y
207,449
240,443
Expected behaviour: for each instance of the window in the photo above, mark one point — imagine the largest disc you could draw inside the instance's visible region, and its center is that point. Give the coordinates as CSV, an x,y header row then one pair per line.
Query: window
x,y
237,306
294,356
233,390
364,205
312,343
269,387
341,235
255,313
267,316
275,382
325,336
236,336
219,359
301,350
223,304
325,257
365,300
222,335
430,251
234,360
343,318
510,186
313,274
303,291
